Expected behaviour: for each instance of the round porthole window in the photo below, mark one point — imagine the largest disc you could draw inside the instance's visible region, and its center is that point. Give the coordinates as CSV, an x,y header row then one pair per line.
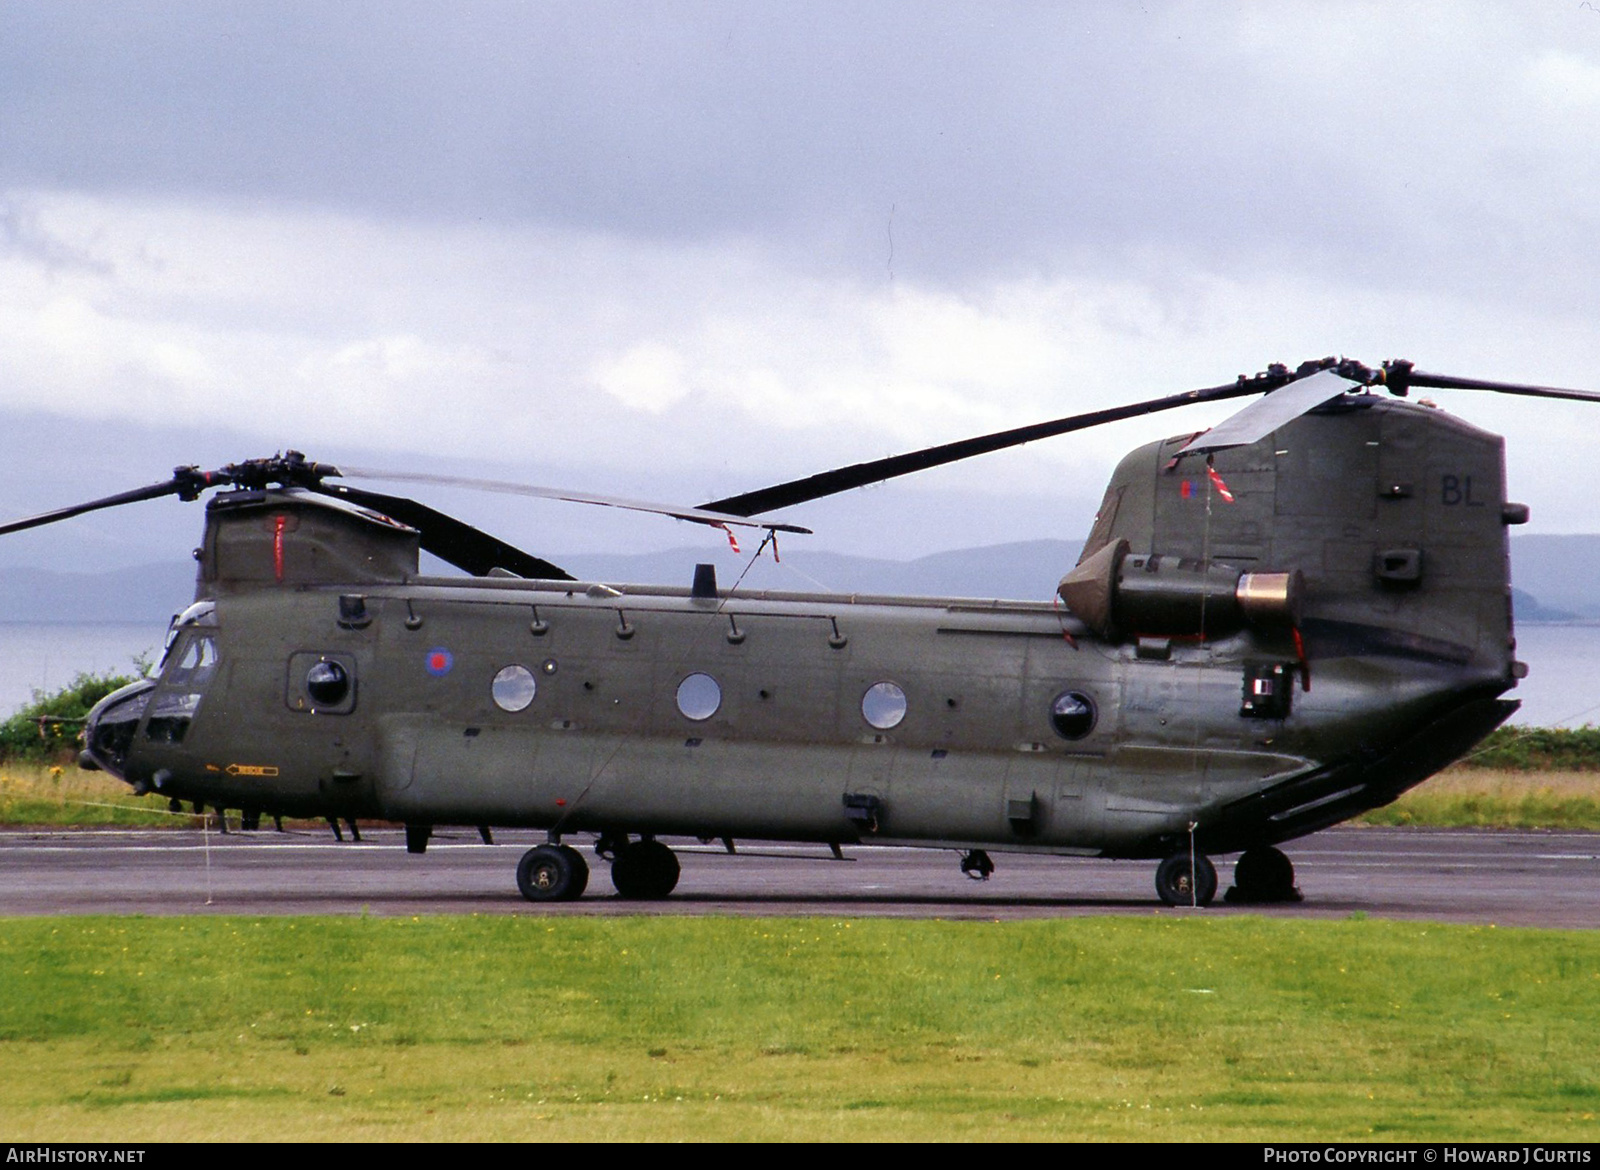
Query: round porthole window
x,y
1072,714
513,688
327,684
884,705
699,696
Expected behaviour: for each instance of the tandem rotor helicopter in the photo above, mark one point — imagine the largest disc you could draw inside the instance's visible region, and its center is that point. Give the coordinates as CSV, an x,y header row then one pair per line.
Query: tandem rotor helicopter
x,y
1274,625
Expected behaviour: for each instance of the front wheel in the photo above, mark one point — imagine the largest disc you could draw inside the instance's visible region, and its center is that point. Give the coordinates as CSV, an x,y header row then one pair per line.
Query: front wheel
x,y
1177,884
552,873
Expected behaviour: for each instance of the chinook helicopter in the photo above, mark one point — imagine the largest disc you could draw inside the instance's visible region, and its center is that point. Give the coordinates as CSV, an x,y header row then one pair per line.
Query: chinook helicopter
x,y
1274,625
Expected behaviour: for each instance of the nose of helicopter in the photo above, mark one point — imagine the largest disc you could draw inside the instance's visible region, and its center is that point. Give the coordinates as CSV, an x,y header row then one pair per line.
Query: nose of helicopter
x,y
108,732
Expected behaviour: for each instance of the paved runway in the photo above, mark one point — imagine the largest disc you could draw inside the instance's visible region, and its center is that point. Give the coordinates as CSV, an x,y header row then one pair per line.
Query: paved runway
x,y
1508,878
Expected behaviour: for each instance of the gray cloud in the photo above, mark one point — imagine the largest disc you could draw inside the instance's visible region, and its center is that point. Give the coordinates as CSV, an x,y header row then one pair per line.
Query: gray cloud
x,y
981,138
682,251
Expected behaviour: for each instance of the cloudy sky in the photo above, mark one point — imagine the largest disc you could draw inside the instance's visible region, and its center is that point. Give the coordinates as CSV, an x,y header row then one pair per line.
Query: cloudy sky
x,y
684,250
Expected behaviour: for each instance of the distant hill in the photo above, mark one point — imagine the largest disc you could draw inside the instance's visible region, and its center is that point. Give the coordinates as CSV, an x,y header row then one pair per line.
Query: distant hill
x,y
1024,570
1557,577
1563,572
146,593
1527,608
1027,570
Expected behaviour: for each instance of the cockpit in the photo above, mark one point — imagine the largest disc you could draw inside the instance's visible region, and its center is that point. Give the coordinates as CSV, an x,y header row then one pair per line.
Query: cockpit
x,y
159,708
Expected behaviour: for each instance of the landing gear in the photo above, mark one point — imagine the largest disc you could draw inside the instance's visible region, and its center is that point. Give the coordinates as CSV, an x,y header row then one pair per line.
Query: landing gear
x,y
975,863
644,869
552,873
1179,884
1263,874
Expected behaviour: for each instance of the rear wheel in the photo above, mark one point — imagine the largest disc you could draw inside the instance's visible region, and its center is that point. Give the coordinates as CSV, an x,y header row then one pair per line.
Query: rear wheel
x,y
645,869
1179,884
1263,874
552,873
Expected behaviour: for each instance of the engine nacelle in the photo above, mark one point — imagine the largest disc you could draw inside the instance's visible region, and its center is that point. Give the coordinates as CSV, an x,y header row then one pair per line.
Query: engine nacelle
x,y
1121,595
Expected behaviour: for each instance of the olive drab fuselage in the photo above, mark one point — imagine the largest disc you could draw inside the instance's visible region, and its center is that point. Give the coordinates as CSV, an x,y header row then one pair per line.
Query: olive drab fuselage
x,y
320,674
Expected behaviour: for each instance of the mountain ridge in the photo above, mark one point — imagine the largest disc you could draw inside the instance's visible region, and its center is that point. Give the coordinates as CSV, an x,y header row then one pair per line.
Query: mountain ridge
x,y
1557,578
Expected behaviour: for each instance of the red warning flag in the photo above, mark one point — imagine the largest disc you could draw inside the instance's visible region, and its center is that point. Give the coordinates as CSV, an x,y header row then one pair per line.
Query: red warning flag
x,y
1216,480
732,540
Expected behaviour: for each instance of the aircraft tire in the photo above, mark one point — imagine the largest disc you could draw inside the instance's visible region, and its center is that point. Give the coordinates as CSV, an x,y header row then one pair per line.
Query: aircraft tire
x,y
1173,880
1263,874
645,869
552,873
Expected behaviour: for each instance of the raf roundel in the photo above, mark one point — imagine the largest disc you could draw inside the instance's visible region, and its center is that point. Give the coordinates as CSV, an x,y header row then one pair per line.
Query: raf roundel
x,y
439,661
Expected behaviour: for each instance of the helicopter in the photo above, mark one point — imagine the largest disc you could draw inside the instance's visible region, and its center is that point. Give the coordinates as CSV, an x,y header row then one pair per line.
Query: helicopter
x,y
1274,625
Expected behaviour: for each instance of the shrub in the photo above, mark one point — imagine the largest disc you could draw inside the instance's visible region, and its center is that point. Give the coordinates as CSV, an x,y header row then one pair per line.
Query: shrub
x,y
50,728
1543,749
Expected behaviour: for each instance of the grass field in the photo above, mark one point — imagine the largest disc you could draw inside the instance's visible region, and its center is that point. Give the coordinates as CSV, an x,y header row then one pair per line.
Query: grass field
x,y
40,794
1498,798
538,1028
64,794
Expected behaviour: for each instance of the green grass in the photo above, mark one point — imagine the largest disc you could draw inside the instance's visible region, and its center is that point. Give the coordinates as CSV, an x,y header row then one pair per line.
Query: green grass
x,y
63,794
1165,1027
1497,799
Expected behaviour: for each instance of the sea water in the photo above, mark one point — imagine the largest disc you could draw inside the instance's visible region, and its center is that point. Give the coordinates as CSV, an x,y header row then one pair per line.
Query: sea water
x,y
46,656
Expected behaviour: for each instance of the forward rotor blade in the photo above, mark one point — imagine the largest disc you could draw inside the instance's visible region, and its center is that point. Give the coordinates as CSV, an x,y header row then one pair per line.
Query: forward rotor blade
x,y
449,539
1265,415
1399,376
842,479
695,515
152,492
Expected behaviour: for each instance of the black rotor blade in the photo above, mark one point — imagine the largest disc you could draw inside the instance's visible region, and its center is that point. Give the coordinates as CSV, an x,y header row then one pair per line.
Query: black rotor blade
x,y
1399,376
449,539
842,479
152,492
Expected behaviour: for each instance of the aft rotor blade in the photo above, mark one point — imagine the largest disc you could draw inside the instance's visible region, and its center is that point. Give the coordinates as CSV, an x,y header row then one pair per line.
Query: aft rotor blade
x,y
1260,418
1399,376
696,515
152,492
842,479
451,540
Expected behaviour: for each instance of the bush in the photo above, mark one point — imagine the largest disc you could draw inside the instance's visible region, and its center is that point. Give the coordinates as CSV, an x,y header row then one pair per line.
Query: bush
x,y
50,728
1539,749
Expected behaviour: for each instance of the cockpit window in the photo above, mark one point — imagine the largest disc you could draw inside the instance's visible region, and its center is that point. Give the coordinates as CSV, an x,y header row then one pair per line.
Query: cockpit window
x,y
111,731
197,663
201,613
192,663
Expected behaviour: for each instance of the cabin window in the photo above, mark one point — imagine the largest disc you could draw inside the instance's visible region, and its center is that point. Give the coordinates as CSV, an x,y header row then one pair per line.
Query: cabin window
x,y
321,684
699,697
327,683
884,705
513,688
1072,714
